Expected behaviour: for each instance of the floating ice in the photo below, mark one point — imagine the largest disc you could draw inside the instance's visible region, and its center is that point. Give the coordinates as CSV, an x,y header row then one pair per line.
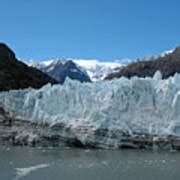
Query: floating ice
x,y
22,172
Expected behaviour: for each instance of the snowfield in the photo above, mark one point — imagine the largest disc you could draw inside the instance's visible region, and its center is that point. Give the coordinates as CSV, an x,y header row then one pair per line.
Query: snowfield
x,y
98,70
95,69
105,113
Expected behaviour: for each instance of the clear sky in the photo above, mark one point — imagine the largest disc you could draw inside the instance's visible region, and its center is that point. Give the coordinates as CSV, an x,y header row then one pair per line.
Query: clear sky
x,y
99,29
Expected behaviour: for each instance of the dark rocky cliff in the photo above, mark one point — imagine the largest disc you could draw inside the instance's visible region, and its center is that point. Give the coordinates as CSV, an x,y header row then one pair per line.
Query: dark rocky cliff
x,y
15,74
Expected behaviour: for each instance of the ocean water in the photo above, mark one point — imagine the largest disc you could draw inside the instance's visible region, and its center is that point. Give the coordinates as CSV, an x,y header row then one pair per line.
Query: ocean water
x,y
25,163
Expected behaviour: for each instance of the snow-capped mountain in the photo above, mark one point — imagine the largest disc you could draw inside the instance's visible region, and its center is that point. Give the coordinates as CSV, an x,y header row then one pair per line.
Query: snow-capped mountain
x,y
95,69
167,52
39,64
98,70
60,69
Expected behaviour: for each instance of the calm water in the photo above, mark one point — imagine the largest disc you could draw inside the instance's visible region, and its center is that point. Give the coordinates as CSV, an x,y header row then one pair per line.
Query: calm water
x,y
76,164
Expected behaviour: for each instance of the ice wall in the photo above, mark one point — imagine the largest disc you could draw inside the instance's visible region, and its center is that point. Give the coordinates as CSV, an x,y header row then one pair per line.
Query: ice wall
x,y
136,106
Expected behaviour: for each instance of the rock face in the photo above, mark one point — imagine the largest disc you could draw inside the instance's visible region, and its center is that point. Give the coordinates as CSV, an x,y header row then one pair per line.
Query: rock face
x,y
6,52
137,113
17,75
59,70
168,65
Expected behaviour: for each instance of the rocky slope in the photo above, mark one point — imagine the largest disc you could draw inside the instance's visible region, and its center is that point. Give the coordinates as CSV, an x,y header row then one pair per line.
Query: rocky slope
x,y
168,64
17,75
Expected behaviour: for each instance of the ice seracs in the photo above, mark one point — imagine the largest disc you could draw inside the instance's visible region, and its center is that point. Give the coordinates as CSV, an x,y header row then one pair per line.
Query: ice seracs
x,y
157,75
105,114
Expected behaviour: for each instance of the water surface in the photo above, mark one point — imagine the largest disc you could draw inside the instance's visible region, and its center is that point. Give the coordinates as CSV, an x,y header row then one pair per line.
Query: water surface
x,y
27,163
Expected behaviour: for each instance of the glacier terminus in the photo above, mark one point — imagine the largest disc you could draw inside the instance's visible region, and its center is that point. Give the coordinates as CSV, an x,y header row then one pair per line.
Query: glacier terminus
x,y
122,113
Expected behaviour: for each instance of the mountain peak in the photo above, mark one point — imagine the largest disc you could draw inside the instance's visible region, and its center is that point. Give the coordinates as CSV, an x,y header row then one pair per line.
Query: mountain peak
x,y
14,74
177,51
60,69
6,52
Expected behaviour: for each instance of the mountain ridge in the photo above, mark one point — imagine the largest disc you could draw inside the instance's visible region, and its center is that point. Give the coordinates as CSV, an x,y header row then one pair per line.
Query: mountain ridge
x,y
95,69
168,64
15,74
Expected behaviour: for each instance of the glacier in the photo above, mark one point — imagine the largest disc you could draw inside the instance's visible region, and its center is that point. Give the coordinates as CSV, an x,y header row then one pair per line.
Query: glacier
x,y
136,112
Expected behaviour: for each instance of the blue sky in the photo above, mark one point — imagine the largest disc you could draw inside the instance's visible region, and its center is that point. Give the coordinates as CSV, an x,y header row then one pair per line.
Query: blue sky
x,y
99,29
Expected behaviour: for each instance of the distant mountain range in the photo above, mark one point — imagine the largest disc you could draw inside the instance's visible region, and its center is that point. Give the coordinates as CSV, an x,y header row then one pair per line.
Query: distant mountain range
x,y
15,74
91,70
77,69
